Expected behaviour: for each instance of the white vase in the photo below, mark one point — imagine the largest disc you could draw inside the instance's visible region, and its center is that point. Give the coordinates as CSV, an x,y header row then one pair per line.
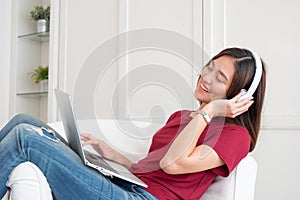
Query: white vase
x,y
42,25
44,85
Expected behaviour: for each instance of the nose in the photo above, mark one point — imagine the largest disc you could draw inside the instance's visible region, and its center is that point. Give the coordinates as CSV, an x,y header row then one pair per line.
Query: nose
x,y
207,77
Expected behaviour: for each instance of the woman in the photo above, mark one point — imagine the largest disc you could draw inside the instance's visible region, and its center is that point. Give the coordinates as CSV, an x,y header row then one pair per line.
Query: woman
x,y
185,155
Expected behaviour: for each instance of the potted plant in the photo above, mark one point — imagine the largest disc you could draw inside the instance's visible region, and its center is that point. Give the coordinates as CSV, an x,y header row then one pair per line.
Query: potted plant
x,y
40,75
41,15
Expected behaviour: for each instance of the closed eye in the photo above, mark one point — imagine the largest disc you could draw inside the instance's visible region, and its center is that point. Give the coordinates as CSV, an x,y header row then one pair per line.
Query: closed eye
x,y
222,74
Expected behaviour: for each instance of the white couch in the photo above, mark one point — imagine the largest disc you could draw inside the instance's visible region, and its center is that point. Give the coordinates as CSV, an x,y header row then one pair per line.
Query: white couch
x,y
129,139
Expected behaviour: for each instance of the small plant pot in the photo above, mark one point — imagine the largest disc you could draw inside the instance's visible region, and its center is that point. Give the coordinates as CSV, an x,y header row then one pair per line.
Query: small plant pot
x,y
43,85
42,25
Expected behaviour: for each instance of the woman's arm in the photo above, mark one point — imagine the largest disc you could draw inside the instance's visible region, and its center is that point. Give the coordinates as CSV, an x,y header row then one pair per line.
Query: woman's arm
x,y
105,150
184,156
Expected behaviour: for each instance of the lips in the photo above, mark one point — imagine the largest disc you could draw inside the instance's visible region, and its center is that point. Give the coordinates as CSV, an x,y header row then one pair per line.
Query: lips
x,y
204,88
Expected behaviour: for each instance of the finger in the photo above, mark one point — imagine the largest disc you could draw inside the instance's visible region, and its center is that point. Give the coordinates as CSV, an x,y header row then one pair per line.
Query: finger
x,y
239,95
87,136
243,108
83,138
245,102
89,142
249,103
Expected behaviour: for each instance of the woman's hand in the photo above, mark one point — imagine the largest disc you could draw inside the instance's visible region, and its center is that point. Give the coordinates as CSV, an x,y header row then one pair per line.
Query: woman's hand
x,y
228,107
105,150
100,146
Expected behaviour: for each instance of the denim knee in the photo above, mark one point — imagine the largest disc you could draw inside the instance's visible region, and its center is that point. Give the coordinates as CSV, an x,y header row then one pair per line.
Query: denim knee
x,y
21,117
34,130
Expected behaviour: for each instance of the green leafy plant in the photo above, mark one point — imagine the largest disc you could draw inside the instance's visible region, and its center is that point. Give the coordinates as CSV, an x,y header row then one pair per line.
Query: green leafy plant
x,y
39,74
40,12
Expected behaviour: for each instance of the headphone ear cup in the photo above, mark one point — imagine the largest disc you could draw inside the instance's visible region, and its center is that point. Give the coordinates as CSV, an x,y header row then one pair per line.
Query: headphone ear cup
x,y
244,95
243,91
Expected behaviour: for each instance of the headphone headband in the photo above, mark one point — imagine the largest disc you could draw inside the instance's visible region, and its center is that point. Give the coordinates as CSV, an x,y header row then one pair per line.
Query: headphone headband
x,y
257,76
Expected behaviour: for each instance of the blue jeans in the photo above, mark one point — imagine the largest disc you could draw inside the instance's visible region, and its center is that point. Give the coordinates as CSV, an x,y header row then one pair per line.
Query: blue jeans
x,y
22,140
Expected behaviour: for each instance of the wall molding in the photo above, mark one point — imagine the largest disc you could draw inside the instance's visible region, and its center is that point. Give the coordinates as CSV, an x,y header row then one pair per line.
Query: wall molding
x,y
281,122
123,67
54,57
271,122
214,26
197,37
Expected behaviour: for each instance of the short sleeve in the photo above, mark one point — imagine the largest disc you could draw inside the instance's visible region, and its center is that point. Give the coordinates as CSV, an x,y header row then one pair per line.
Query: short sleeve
x,y
230,142
173,116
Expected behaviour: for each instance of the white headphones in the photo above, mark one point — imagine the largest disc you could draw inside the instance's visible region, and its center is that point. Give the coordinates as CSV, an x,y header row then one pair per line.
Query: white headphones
x,y
256,79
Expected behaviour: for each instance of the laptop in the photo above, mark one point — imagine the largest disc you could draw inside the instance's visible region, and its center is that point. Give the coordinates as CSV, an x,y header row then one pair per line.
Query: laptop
x,y
106,167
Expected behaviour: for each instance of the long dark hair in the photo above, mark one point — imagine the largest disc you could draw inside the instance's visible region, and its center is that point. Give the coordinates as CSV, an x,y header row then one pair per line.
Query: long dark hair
x,y
244,73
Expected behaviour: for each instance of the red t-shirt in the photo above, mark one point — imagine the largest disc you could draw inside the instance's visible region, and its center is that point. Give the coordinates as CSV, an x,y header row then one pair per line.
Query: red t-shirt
x,y
231,143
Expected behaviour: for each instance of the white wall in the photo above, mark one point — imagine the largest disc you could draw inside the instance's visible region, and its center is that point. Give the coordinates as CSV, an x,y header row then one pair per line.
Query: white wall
x,y
277,155
100,21
84,27
156,96
272,29
5,22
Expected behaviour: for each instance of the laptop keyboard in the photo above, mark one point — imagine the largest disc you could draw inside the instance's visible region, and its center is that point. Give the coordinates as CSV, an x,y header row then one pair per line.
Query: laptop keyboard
x,y
98,160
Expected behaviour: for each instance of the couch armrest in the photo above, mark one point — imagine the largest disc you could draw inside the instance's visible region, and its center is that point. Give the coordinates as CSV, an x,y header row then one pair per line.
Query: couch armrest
x,y
245,179
240,184
27,182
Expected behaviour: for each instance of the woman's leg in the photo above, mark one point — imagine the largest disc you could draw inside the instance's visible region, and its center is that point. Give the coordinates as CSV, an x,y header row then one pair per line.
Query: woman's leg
x,y
25,119
68,177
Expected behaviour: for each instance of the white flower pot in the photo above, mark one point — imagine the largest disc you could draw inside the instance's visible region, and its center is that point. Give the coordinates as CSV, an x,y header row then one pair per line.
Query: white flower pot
x,y
44,85
42,25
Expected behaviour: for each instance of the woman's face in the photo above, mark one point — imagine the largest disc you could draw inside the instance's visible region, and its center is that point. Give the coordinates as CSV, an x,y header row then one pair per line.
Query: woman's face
x,y
215,79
